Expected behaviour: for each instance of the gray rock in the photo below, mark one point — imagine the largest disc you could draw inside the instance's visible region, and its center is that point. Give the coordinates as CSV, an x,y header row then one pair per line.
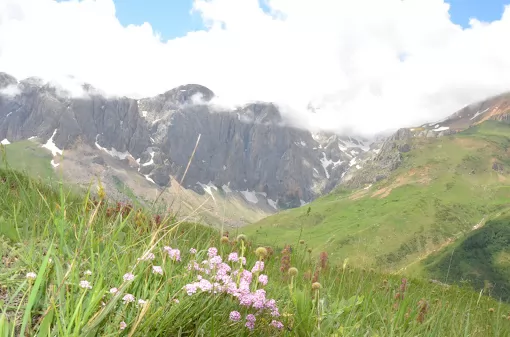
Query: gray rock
x,y
98,160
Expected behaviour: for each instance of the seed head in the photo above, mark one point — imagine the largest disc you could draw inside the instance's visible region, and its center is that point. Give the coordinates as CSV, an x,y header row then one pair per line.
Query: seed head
x,y
316,286
242,237
224,240
261,252
293,271
309,250
301,242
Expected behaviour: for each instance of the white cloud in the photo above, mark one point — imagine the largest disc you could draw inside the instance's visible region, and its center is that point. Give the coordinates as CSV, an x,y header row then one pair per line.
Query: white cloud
x,y
11,90
344,55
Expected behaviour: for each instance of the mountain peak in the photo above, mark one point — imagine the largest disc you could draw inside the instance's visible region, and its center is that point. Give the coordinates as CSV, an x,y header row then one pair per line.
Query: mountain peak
x,y
7,80
189,94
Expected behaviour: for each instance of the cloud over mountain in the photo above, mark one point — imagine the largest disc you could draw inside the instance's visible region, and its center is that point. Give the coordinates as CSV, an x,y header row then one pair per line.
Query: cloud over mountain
x,y
366,65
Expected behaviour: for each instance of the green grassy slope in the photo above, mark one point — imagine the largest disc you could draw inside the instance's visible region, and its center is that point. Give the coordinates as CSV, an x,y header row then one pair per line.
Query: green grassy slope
x,y
444,188
27,156
79,250
481,259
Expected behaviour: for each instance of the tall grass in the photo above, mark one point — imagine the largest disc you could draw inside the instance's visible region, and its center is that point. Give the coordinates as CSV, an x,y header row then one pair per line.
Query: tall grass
x,y
80,249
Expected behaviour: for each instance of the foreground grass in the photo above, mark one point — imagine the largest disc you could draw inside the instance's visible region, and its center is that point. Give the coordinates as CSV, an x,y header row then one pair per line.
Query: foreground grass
x,y
74,267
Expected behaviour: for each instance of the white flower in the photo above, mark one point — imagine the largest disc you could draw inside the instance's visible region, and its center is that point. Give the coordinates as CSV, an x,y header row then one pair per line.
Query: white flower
x,y
157,270
87,273
85,285
114,290
176,301
141,302
31,276
128,298
128,277
123,325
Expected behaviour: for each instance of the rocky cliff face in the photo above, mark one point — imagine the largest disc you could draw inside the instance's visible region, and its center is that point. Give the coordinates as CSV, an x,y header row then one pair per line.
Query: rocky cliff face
x,y
249,151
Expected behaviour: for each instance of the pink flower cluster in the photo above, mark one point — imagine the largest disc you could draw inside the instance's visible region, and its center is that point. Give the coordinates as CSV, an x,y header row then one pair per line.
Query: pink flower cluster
x,y
215,276
175,254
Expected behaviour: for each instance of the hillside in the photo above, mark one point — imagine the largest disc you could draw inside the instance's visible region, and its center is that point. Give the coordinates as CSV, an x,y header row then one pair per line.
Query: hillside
x,y
72,266
442,188
481,259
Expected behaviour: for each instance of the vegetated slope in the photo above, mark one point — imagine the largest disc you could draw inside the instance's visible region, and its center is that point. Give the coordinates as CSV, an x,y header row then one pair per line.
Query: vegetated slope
x,y
84,168
72,267
481,259
444,186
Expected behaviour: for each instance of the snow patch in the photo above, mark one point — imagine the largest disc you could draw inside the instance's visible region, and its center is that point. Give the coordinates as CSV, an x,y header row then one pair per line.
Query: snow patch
x,y
54,164
250,196
272,203
303,202
5,142
50,145
113,152
327,162
376,151
352,162
478,114
366,188
150,162
226,189
358,167
144,113
208,188
149,179
443,128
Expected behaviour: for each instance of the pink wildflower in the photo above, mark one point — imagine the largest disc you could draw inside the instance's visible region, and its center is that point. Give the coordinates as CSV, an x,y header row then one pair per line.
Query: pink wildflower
x,y
190,288
123,325
193,251
276,324
114,290
85,285
263,279
157,270
212,252
250,321
175,254
128,277
128,298
235,316
259,266
233,257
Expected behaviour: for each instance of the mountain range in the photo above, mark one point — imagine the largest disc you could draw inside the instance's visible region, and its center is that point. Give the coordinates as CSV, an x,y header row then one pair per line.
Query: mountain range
x,y
239,165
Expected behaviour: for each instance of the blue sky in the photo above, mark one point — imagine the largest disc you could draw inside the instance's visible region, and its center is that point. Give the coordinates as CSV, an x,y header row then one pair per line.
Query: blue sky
x,y
172,18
